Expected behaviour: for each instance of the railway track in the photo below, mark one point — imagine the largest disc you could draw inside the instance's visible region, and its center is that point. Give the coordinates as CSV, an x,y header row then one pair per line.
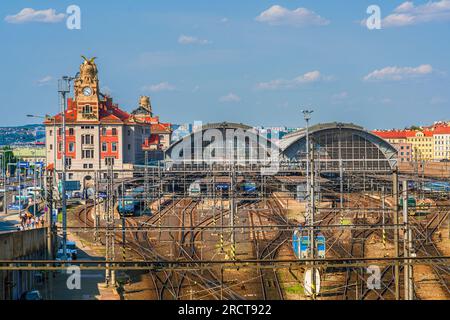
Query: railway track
x,y
271,288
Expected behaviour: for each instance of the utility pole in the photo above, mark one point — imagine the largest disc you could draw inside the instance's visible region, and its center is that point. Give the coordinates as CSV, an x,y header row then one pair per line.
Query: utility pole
x,y
5,189
307,117
396,234
146,183
232,212
123,224
63,89
383,208
110,278
96,205
407,247
312,231
341,180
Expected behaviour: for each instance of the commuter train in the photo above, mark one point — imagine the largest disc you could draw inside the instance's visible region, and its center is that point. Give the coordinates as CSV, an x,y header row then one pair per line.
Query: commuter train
x,y
301,246
438,186
132,202
195,189
248,187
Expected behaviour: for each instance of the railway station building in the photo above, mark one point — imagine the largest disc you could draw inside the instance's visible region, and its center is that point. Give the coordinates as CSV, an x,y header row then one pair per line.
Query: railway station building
x,y
99,134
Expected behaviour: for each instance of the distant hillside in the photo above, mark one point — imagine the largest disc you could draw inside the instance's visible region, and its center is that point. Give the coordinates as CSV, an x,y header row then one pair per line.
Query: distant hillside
x,y
21,134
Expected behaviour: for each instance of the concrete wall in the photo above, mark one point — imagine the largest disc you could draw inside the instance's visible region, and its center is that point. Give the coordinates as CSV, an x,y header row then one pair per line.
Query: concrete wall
x,y
24,245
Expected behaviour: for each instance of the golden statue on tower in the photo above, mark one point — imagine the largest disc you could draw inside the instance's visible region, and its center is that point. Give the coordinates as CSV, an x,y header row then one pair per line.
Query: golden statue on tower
x,y
88,70
86,82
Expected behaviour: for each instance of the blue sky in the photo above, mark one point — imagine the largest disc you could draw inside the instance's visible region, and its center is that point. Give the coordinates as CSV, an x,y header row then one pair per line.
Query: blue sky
x,y
254,62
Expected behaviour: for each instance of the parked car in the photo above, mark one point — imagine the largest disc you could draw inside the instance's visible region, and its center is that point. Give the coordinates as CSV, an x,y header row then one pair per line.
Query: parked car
x,y
71,249
76,194
31,295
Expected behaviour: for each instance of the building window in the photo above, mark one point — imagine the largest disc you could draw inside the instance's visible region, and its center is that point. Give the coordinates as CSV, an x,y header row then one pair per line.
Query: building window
x,y
103,131
104,147
87,109
51,147
87,154
87,139
50,133
70,176
129,132
71,147
109,161
114,132
71,131
129,146
114,147
59,146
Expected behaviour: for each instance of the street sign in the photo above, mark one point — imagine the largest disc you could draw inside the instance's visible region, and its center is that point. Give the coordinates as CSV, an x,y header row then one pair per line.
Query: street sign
x,y
307,282
71,186
23,164
54,214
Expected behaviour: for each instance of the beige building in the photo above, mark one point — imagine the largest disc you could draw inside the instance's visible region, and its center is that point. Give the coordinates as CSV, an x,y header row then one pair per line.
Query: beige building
x,y
98,133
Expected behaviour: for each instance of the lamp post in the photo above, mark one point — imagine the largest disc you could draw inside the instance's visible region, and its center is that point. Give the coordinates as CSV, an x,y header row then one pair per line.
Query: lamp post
x,y
5,195
307,117
310,202
49,203
63,89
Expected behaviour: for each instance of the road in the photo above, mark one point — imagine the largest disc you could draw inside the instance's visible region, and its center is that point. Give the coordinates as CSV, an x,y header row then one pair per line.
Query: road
x,y
9,222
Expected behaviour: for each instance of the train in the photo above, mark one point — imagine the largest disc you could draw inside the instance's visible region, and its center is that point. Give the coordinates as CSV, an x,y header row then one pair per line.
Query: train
x,y
300,244
194,189
412,203
437,186
132,203
249,187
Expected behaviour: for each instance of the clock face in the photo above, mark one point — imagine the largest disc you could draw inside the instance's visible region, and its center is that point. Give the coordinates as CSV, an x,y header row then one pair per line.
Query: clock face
x,y
87,91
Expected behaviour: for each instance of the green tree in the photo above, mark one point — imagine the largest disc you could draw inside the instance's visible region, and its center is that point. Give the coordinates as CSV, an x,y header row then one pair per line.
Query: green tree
x,y
8,158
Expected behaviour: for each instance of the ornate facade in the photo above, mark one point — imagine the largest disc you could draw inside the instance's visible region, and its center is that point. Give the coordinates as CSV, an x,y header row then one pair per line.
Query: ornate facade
x,y
99,133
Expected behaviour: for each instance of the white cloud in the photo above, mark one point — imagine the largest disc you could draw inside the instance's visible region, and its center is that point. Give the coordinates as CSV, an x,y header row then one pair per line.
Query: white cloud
x,y
183,39
31,15
340,96
45,80
231,97
309,77
163,86
408,14
224,20
399,73
278,15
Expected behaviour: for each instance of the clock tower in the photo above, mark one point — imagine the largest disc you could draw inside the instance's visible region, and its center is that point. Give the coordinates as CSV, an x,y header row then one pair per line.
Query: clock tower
x,y
87,91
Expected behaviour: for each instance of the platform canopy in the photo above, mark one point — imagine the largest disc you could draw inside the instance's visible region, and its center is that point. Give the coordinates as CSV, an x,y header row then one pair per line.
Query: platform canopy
x,y
340,145
223,143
